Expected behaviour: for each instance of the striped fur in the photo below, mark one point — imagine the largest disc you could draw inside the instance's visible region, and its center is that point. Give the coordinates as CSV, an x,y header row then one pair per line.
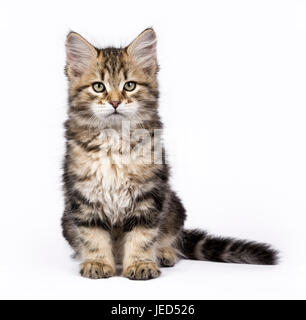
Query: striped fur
x,y
198,245
126,212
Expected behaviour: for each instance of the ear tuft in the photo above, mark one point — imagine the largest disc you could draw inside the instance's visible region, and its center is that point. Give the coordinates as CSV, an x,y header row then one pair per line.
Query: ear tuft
x,y
143,50
80,54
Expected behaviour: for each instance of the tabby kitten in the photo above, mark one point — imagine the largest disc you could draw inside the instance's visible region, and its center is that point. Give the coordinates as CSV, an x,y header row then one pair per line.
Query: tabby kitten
x,y
125,211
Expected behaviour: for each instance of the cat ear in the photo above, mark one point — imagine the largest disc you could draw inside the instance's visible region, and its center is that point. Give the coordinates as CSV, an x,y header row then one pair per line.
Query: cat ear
x,y
79,53
143,50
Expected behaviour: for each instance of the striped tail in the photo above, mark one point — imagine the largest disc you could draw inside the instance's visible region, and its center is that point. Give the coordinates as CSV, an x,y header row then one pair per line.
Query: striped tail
x,y
198,245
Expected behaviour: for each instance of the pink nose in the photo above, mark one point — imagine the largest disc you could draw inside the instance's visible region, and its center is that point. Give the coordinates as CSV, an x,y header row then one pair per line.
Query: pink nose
x,y
115,104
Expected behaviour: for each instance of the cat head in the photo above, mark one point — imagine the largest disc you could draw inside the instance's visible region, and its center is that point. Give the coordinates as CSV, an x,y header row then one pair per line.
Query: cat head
x,y
108,86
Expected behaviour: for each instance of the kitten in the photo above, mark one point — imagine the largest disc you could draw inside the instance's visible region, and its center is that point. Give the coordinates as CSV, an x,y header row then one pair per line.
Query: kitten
x,y
125,211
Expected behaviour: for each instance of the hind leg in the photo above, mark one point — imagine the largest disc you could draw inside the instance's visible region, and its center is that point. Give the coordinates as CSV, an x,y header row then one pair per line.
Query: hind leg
x,y
166,253
170,230
166,257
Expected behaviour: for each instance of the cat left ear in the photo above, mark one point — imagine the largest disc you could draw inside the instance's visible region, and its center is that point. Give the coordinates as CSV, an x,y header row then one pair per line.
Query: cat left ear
x,y
143,51
80,54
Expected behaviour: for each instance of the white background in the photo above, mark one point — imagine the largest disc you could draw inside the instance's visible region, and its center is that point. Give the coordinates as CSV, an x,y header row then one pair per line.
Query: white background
x,y
233,79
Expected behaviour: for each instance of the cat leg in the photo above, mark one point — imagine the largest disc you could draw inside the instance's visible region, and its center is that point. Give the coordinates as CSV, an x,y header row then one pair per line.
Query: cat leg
x,y
96,253
166,253
167,257
139,260
170,230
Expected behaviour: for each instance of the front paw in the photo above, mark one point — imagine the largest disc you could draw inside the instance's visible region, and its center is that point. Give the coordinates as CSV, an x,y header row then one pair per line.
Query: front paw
x,y
96,270
142,270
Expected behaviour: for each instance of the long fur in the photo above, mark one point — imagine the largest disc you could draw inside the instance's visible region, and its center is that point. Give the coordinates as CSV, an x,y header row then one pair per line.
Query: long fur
x,y
125,211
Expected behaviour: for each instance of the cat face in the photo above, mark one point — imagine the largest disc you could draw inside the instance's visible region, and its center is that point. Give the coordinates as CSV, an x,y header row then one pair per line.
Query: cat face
x,y
111,85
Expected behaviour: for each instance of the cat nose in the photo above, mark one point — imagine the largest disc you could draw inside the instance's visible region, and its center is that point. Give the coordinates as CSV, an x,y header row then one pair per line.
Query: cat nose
x,y
115,104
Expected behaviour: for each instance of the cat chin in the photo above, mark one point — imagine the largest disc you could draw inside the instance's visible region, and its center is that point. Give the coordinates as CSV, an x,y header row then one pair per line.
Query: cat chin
x,y
115,119
109,117
111,121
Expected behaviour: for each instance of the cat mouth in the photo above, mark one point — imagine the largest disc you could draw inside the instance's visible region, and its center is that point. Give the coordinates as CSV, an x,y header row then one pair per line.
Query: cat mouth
x,y
115,114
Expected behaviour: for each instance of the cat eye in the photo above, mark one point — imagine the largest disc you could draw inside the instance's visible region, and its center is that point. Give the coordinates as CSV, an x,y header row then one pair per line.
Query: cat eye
x,y
130,86
98,87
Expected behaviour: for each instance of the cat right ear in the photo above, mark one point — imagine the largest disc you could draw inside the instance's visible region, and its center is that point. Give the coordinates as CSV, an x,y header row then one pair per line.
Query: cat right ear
x,y
79,54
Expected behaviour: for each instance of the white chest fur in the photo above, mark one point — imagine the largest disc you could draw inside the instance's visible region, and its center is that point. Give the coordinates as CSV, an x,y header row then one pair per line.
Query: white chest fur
x,y
104,179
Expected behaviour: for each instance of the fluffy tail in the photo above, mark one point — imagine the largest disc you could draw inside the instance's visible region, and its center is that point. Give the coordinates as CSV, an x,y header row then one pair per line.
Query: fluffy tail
x,y
198,245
